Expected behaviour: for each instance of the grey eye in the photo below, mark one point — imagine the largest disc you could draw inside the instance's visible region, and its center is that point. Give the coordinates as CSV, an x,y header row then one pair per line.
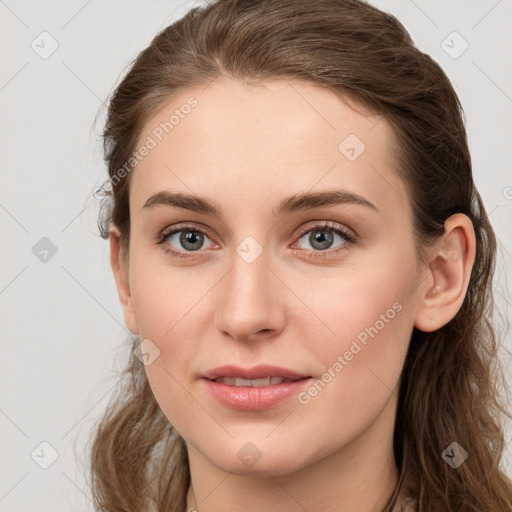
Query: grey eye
x,y
190,240
321,238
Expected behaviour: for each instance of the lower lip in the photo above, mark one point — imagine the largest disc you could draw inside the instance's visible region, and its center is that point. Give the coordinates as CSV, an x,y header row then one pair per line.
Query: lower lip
x,y
248,398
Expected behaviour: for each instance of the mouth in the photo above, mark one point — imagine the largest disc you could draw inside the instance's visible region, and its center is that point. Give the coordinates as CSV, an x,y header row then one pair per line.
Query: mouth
x,y
255,383
254,389
256,376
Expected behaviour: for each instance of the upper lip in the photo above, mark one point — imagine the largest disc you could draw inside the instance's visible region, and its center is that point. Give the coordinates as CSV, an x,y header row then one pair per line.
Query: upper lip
x,y
256,372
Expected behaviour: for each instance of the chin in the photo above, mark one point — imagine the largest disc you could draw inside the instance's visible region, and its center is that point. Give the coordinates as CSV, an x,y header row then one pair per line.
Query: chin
x,y
249,460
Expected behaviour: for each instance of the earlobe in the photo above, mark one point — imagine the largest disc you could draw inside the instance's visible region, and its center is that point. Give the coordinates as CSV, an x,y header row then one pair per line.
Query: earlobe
x,y
451,262
120,271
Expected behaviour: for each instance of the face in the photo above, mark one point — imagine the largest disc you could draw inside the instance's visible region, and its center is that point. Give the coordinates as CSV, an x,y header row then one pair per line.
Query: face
x,y
324,287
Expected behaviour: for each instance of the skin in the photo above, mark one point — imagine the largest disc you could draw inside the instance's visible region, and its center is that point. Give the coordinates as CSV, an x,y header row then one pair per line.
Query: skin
x,y
247,147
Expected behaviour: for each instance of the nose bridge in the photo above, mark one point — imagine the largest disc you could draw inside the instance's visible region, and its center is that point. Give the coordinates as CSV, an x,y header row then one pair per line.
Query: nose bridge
x,y
248,301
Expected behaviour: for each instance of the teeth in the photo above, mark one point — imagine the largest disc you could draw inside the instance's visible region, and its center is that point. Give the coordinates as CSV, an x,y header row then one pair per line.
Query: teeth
x,y
242,382
239,382
230,381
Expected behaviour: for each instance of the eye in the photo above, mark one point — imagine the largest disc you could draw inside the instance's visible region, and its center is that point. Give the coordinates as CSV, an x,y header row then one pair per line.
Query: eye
x,y
321,238
182,239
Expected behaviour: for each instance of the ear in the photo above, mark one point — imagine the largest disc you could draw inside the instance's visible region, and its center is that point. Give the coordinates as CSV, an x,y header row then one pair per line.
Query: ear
x,y
120,270
451,260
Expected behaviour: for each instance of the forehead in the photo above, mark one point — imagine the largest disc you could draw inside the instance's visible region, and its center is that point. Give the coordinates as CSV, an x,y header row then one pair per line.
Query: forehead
x,y
274,137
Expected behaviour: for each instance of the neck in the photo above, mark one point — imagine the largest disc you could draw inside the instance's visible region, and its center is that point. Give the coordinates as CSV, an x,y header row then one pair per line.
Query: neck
x,y
361,475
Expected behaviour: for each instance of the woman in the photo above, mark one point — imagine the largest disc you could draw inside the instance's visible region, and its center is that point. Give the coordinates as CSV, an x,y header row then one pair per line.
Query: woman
x,y
305,262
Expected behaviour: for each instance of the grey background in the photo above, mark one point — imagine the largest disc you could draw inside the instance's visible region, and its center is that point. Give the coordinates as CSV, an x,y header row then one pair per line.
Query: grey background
x,y
63,334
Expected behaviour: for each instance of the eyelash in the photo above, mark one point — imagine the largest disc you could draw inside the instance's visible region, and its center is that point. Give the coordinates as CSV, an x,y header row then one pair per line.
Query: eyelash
x,y
162,237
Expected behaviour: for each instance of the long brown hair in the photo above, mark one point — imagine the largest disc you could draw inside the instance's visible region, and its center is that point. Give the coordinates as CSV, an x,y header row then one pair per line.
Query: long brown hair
x,y
450,380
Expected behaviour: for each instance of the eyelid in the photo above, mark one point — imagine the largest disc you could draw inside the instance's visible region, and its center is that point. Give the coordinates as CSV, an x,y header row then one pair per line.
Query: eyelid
x,y
191,226
328,225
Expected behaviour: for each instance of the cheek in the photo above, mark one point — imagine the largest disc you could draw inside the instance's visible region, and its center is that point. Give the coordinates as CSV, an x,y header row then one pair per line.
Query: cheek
x,y
361,363
167,306
367,317
368,347
164,297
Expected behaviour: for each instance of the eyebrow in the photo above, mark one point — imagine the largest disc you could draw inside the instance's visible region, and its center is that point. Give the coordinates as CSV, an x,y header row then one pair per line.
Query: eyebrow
x,y
297,202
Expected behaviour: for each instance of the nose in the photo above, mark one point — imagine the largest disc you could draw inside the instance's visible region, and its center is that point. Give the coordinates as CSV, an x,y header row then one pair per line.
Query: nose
x,y
250,301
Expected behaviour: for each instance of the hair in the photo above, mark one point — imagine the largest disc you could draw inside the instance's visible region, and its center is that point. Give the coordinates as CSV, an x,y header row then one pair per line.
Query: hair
x,y
449,383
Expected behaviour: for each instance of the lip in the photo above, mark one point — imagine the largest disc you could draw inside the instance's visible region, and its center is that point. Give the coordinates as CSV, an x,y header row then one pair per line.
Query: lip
x,y
248,398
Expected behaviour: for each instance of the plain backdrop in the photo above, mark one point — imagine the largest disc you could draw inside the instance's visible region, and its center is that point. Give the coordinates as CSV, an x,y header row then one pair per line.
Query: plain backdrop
x,y
62,331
